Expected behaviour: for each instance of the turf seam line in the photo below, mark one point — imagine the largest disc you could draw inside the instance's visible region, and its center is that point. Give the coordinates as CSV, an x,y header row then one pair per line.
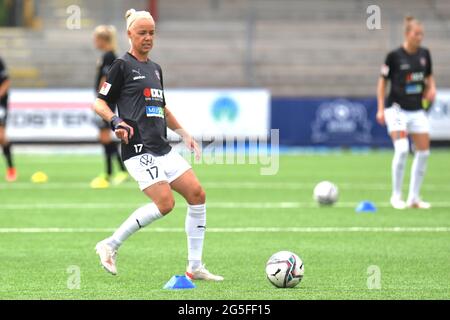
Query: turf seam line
x,y
219,205
243,230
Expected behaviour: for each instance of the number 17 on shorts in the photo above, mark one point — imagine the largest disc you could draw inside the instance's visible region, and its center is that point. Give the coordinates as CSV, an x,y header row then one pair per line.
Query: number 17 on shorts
x,y
147,169
144,169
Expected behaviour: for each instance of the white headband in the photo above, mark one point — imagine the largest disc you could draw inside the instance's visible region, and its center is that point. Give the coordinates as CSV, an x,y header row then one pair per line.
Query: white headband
x,y
133,15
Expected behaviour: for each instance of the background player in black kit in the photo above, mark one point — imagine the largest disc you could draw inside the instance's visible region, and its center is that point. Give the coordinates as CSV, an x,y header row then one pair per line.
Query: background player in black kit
x,y
105,41
11,173
409,69
135,85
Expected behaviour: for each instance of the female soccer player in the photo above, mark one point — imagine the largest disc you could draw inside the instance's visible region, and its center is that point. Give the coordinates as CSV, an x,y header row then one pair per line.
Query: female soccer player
x,y
410,71
11,173
135,85
105,41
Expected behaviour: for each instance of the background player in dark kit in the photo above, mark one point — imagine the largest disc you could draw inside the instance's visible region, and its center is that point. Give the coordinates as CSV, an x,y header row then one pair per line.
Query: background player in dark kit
x,y
409,69
105,41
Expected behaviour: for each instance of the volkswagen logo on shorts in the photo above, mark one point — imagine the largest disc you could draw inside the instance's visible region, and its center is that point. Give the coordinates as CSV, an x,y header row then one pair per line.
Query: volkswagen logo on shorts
x,y
146,160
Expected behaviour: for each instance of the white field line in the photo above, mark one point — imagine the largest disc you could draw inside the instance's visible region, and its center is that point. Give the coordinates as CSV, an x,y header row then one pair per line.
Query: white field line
x,y
219,185
217,205
242,230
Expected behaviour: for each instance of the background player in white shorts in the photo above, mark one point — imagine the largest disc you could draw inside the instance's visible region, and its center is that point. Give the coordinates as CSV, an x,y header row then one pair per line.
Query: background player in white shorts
x,y
134,84
409,69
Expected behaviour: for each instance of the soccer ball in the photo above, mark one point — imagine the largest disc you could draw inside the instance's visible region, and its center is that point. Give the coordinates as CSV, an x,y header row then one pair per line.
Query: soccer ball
x,y
326,193
284,269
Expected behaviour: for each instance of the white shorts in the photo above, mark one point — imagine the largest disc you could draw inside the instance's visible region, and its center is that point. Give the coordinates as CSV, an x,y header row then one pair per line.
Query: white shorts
x,y
148,170
398,119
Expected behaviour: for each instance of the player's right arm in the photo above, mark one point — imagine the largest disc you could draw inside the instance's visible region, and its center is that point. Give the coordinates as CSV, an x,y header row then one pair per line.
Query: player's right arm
x,y
109,94
385,74
108,60
381,91
101,82
122,130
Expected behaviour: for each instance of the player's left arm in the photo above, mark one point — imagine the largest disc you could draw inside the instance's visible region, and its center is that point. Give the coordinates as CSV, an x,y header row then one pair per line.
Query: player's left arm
x,y
429,92
430,89
173,124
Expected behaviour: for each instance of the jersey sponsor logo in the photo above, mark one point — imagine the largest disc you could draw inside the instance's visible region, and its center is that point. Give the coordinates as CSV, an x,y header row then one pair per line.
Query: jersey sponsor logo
x,y
105,88
146,160
147,92
154,111
405,66
384,70
139,76
157,93
153,93
414,89
414,77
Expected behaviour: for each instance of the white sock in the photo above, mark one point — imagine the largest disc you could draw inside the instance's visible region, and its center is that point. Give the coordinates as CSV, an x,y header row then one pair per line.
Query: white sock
x,y
418,169
401,148
195,230
140,218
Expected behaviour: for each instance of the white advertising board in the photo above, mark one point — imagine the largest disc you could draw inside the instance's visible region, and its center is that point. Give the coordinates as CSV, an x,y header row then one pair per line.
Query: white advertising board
x,y
439,116
66,115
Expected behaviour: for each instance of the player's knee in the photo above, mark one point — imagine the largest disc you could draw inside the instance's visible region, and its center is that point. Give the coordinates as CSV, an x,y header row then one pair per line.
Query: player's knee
x,y
198,195
401,147
166,204
202,196
423,153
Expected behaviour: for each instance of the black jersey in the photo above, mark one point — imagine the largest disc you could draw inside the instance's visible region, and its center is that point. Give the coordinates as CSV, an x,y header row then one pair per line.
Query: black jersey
x,y
407,73
103,66
3,78
136,89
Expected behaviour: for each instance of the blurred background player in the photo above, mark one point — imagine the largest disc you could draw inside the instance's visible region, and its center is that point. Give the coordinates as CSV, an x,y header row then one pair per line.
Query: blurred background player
x,y
11,173
105,41
135,84
409,69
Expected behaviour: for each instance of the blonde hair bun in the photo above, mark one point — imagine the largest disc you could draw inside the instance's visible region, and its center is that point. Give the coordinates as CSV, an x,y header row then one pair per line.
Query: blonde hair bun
x,y
129,13
133,15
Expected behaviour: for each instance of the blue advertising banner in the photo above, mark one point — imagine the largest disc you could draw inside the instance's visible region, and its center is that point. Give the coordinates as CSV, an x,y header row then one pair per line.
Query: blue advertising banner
x,y
333,122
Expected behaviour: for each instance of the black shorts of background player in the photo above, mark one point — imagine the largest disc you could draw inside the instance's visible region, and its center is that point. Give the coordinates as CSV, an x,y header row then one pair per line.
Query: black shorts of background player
x,y
11,172
105,41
